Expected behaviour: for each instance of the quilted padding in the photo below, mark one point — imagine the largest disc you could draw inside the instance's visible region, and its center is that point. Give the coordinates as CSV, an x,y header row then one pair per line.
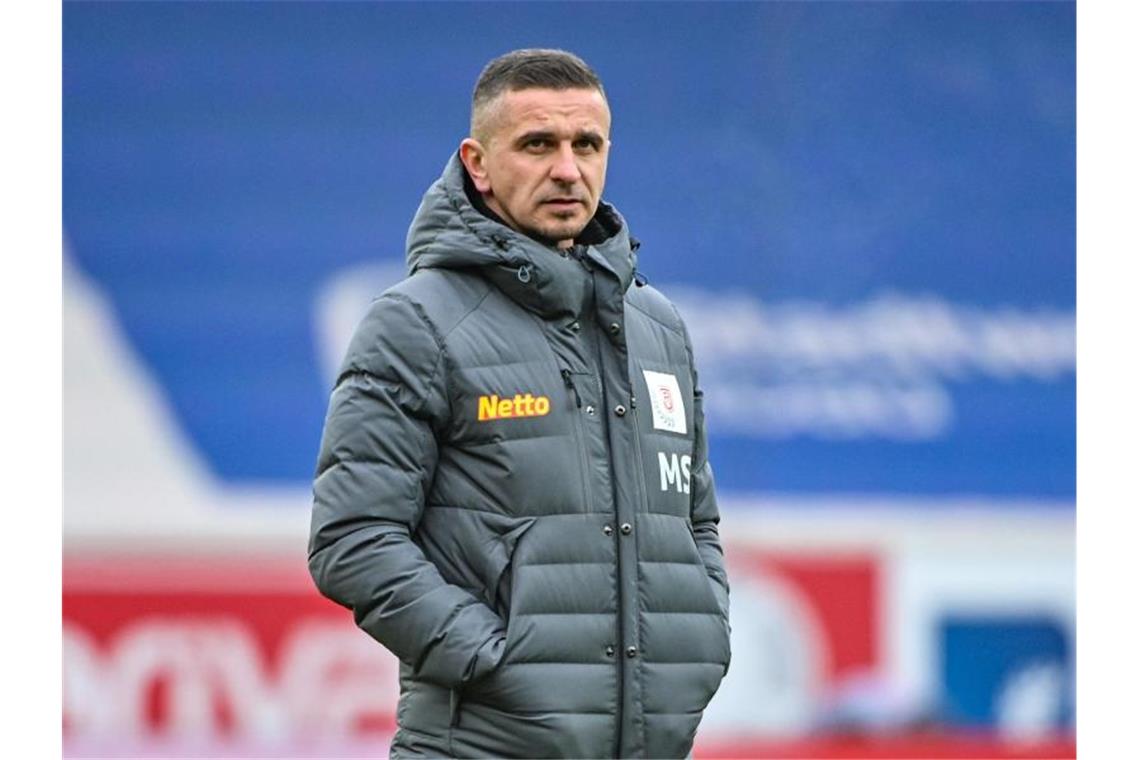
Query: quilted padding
x,y
513,495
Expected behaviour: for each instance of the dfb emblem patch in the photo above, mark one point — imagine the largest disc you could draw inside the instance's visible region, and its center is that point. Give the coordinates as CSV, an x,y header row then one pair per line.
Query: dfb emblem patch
x,y
666,402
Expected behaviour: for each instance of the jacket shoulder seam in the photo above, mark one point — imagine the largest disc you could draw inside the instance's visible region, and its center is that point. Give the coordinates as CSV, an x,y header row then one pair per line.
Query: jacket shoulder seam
x,y
674,328
446,275
472,310
418,308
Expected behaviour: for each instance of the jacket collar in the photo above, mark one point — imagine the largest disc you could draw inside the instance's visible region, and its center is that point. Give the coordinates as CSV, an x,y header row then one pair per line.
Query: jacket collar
x,y
450,232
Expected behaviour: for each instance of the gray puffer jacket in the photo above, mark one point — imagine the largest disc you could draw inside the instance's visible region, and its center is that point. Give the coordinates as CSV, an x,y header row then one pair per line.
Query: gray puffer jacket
x,y
513,496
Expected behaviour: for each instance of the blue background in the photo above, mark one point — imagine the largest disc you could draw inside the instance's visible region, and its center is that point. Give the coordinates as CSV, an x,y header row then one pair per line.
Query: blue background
x,y
222,160
980,654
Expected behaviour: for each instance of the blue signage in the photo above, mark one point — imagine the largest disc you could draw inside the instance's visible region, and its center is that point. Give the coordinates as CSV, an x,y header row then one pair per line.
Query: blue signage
x,y
866,212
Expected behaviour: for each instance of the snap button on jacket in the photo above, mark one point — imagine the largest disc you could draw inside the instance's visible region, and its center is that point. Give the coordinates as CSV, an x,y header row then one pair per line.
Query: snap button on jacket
x,y
465,501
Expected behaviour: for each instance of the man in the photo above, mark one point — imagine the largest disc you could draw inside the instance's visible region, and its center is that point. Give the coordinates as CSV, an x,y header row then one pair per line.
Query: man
x,y
513,494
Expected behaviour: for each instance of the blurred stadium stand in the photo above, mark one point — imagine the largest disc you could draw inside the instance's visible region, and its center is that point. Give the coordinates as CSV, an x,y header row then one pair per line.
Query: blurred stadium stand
x,y
866,212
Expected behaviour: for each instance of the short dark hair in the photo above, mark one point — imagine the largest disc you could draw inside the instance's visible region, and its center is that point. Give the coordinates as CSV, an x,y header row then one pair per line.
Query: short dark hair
x,y
531,68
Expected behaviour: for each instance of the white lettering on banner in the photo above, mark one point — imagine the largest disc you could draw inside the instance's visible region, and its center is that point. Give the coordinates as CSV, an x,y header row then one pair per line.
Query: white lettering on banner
x,y
831,410
674,471
333,676
85,711
330,681
882,368
202,665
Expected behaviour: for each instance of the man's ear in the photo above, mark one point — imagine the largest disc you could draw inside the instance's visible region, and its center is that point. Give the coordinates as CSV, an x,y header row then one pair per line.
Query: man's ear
x,y
472,154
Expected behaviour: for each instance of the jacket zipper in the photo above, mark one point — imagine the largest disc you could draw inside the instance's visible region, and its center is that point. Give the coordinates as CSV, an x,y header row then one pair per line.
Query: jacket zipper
x,y
617,556
566,378
580,437
640,464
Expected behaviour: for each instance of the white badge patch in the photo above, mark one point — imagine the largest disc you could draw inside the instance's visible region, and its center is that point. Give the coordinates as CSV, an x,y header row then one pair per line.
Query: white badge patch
x,y
665,398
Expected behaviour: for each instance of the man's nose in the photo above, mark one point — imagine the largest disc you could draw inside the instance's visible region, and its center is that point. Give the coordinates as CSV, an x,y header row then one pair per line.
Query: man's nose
x,y
565,168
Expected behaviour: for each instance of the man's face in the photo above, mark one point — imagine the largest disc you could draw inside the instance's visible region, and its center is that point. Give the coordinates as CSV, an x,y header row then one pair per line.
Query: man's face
x,y
541,164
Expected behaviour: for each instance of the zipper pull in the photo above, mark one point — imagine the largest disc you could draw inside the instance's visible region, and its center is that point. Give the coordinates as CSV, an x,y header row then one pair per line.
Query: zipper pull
x,y
570,384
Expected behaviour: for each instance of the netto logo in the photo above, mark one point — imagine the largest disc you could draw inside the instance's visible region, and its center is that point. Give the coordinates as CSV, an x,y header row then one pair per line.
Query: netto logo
x,y
522,405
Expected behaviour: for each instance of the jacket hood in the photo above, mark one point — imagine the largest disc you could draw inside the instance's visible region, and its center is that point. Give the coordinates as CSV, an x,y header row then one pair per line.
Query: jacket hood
x,y
449,232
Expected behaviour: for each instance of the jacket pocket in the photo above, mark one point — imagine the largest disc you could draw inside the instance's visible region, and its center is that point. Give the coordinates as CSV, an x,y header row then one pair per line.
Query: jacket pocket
x,y
500,592
473,549
490,558
712,598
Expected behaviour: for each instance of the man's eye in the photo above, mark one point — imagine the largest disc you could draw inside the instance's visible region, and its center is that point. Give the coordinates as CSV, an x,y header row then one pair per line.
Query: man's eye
x,y
536,144
585,145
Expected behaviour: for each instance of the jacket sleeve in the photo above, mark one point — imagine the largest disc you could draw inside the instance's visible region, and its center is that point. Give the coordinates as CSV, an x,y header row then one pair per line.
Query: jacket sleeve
x,y
377,459
704,514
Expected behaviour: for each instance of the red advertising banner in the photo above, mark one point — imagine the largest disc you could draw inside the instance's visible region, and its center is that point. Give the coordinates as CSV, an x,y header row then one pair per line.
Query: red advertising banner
x,y
231,656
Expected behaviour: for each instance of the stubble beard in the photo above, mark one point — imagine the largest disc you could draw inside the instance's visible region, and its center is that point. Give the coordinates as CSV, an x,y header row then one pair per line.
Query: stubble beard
x,y
555,236
556,231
